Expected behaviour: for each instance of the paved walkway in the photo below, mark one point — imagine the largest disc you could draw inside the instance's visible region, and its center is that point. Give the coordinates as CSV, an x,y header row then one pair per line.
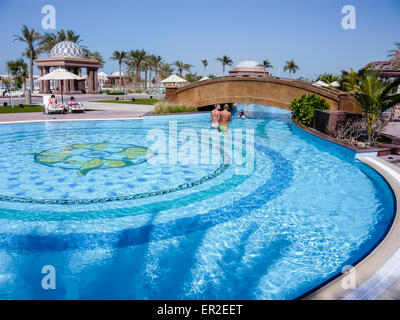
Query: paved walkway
x,y
95,111
106,106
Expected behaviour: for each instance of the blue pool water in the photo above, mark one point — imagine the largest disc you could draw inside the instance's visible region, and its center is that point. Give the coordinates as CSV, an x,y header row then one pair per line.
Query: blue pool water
x,y
87,199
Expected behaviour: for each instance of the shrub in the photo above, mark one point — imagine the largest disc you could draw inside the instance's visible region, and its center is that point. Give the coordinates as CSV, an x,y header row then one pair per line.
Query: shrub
x,y
165,107
115,93
139,91
303,108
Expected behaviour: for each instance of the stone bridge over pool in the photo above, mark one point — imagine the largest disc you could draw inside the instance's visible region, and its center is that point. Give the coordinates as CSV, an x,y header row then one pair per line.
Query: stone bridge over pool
x,y
255,90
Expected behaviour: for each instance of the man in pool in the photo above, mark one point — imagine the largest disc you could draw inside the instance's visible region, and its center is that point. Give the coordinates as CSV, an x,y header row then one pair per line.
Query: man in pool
x,y
225,118
241,115
214,117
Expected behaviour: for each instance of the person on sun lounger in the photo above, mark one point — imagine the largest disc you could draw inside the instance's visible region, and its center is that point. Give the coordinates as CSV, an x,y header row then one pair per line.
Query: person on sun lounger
x,y
72,103
53,103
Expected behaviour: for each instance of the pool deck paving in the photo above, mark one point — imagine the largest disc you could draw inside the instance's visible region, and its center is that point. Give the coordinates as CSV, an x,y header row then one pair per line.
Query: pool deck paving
x,y
94,111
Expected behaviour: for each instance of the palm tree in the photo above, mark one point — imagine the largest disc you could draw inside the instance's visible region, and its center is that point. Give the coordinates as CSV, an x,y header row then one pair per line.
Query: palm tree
x,y
18,69
266,64
94,56
392,53
155,62
225,61
350,81
182,66
51,39
27,53
291,66
135,61
374,97
146,65
165,70
205,64
30,37
192,77
121,57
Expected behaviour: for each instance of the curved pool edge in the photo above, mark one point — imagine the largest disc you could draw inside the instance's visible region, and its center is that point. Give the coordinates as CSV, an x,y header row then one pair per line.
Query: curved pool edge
x,y
377,276
67,120
368,277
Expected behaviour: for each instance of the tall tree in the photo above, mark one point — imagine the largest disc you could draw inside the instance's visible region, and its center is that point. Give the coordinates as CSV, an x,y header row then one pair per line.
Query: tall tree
x,y
94,56
350,81
121,57
392,53
291,66
225,61
205,64
135,60
18,70
165,70
374,97
192,77
155,62
146,65
266,64
182,66
31,37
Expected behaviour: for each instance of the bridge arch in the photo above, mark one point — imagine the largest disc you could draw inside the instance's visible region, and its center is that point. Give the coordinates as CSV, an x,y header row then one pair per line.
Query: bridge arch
x,y
255,90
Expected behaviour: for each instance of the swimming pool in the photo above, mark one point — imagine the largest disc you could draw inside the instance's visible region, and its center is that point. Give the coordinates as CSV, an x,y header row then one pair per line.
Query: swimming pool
x,y
88,199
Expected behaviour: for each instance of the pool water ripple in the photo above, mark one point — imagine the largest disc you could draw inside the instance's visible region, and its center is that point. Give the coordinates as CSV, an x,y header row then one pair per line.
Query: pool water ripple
x,y
306,210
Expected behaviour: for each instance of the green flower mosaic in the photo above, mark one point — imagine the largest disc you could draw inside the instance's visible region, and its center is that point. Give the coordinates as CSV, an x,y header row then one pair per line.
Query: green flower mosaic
x,y
88,157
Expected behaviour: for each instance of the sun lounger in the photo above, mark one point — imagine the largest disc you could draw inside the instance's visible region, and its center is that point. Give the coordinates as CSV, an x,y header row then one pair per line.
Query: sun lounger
x,y
76,107
50,109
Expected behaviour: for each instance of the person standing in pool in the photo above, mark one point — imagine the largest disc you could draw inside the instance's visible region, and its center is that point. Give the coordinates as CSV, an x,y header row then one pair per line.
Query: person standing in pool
x,y
214,117
224,119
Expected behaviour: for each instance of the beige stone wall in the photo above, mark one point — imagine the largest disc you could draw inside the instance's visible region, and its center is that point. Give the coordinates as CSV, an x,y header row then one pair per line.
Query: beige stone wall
x,y
257,90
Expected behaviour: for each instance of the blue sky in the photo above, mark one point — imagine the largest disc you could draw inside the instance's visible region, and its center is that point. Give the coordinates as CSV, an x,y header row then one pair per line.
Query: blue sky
x,y
309,31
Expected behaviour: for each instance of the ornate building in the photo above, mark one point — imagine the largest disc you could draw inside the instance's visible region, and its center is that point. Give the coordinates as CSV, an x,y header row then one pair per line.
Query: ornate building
x,y
248,67
70,56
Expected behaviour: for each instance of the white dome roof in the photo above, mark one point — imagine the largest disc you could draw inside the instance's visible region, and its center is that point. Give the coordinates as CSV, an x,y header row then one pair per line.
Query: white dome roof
x,y
249,64
67,49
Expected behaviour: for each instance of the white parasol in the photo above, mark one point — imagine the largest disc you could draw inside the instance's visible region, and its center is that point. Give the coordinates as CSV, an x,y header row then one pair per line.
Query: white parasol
x,y
60,74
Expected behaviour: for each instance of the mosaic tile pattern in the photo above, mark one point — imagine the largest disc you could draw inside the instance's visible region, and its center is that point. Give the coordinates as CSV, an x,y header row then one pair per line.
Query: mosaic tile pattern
x,y
306,210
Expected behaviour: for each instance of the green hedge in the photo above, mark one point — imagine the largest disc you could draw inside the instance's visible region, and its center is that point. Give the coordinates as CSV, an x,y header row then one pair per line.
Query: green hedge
x,y
113,93
303,108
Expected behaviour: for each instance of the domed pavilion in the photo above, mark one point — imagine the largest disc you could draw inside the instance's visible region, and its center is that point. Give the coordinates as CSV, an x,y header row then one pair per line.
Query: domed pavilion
x,y
70,56
248,68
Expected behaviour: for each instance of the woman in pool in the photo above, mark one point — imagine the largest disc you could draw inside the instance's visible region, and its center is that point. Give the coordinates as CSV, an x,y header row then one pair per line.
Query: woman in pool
x,y
225,118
